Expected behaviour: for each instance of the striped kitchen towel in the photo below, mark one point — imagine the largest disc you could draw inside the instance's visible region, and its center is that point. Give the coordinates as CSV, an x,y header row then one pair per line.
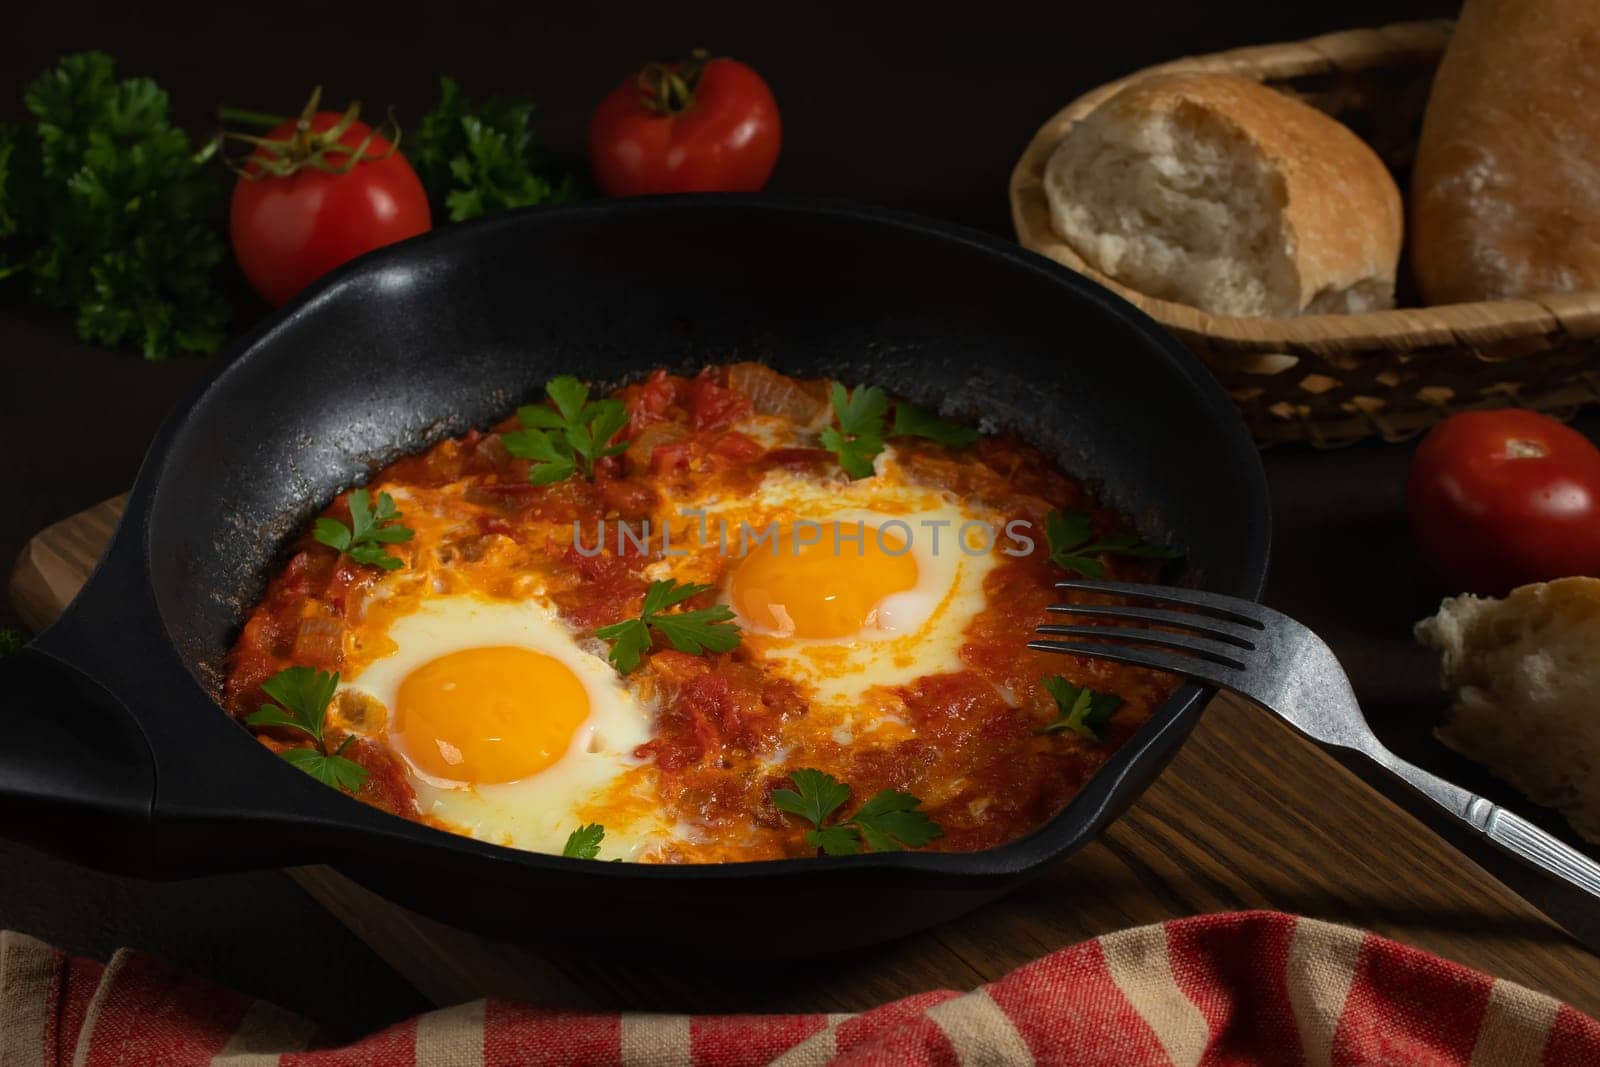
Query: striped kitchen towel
x,y
1244,988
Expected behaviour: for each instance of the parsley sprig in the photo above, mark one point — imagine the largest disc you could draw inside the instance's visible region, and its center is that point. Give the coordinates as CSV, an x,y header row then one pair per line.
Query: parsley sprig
x,y
1079,709
584,842
368,532
888,822
862,413
1074,546
859,436
694,632
569,438
302,696
480,158
10,641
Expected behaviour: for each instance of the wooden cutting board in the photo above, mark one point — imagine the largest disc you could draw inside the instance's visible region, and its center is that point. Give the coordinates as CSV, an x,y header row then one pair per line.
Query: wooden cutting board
x,y
1249,815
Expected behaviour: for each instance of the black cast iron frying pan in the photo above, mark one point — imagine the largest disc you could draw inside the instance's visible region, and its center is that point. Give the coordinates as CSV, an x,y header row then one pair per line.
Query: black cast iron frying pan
x,y
116,755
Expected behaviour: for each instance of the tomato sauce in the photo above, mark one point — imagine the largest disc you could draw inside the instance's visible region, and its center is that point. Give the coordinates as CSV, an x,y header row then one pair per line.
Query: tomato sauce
x,y
971,746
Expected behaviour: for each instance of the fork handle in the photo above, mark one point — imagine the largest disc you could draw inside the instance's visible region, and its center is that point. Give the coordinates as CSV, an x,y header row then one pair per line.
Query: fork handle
x,y
1506,829
1532,845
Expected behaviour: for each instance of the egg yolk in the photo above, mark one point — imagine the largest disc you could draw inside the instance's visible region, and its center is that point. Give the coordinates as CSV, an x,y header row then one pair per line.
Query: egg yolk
x,y
829,587
485,715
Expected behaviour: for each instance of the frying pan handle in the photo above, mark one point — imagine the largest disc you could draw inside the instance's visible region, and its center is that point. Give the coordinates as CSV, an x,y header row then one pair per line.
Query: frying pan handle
x,y
133,783
77,777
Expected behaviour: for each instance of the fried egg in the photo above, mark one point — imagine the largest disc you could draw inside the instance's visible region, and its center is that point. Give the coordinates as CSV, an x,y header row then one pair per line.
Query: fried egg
x,y
849,588
506,726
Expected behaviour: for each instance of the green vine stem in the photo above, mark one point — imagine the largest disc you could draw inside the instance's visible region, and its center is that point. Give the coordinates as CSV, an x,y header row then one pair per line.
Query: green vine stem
x,y
305,148
247,117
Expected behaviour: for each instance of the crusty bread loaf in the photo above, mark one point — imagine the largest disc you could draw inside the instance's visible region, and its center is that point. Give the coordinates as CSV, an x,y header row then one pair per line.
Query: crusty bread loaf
x,y
1505,196
1214,191
1525,672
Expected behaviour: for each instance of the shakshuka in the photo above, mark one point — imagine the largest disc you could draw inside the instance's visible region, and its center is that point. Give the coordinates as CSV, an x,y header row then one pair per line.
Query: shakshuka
x,y
727,616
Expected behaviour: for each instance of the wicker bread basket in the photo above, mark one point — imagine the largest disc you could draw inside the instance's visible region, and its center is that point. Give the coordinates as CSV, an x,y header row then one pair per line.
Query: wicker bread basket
x,y
1336,379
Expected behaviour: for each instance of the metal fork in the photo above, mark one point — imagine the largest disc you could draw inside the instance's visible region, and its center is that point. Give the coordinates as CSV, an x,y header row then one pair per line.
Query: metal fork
x,y
1281,665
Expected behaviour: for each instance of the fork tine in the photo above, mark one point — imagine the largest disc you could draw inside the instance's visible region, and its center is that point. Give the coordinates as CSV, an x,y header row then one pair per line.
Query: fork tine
x,y
1213,651
1209,625
1223,607
1185,666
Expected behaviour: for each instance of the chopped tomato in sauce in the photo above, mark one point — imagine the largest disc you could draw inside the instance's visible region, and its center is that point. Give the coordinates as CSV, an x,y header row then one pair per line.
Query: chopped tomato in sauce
x,y
725,729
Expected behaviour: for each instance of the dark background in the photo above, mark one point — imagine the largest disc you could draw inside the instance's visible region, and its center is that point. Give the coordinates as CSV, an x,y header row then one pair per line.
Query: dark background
x,y
923,106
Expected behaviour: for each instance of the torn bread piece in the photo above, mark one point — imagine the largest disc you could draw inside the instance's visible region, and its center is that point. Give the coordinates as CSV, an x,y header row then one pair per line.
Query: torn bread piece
x,y
1525,674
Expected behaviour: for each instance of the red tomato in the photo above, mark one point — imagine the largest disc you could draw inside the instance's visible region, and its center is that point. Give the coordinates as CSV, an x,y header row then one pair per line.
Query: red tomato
x,y
691,127
289,230
1499,499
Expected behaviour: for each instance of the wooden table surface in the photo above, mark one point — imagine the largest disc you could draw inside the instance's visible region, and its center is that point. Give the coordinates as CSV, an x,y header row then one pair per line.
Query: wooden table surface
x,y
1248,815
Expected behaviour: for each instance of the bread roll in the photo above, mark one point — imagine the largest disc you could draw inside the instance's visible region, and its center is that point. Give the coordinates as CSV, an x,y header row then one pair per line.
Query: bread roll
x,y
1525,672
1505,197
1214,191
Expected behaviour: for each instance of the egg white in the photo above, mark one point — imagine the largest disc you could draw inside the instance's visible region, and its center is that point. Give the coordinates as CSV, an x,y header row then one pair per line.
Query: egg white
x,y
918,632
914,633
538,812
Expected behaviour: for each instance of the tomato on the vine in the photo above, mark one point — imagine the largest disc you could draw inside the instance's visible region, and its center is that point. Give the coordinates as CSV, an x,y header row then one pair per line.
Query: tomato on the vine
x,y
1500,499
317,191
700,125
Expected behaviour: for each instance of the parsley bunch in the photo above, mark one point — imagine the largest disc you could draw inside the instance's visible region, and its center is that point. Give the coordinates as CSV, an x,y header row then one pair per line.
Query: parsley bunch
x,y
477,160
888,822
368,532
1074,546
1079,709
862,413
302,696
568,439
694,632
109,212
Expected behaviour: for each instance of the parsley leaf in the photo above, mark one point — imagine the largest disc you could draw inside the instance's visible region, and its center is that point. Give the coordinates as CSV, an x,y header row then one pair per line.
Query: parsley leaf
x,y
584,842
1074,547
333,770
480,159
835,840
569,439
368,532
815,796
302,696
859,436
568,394
888,822
10,641
707,630
553,459
110,212
913,421
1080,709
630,640
703,630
